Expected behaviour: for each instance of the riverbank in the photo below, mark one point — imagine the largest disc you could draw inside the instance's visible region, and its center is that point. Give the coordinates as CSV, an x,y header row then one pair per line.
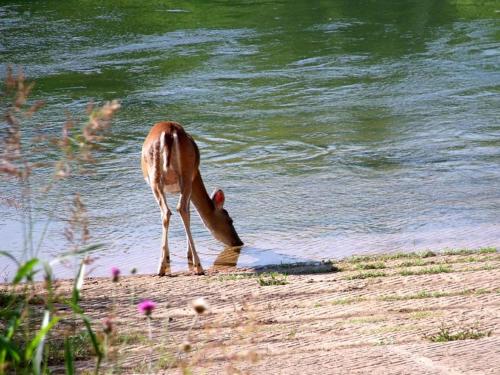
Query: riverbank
x,y
413,313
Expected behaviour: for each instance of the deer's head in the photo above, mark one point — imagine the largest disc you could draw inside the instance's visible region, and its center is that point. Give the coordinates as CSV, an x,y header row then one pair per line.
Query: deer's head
x,y
221,224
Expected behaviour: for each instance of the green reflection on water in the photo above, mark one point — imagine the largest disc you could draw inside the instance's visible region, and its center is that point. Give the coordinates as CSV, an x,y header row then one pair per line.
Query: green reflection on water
x,y
390,105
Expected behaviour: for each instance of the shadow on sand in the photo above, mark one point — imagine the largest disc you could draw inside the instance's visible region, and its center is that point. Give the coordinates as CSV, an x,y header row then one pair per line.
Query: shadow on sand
x,y
227,261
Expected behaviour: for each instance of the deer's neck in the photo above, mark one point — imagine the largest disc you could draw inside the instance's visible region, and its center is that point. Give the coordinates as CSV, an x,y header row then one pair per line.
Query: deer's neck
x,y
202,201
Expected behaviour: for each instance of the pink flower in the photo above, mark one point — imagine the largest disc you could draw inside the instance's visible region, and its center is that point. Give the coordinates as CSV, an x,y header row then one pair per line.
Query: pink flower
x,y
107,326
115,274
146,307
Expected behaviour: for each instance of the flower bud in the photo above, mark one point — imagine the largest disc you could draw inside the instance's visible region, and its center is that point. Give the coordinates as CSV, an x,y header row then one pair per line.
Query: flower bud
x,y
200,305
186,346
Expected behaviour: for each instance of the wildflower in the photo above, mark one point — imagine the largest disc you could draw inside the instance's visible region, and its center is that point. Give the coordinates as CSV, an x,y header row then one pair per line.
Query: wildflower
x,y
107,326
146,307
200,305
115,274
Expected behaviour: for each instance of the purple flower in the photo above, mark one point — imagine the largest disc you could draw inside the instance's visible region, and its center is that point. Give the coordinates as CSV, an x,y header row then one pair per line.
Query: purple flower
x,y
146,307
115,274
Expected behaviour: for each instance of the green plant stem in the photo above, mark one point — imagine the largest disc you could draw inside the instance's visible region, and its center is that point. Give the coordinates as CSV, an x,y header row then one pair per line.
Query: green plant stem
x,y
29,213
24,219
47,223
150,336
193,323
105,346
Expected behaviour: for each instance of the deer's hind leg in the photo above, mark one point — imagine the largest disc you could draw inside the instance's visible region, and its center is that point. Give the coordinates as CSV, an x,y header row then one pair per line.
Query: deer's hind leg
x,y
164,265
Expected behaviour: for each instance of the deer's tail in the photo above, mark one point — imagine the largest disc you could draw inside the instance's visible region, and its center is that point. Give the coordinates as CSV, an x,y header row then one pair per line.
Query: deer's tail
x,y
165,148
160,155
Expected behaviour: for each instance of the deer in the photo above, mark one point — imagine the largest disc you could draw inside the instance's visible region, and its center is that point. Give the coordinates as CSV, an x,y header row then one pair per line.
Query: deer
x,y
170,161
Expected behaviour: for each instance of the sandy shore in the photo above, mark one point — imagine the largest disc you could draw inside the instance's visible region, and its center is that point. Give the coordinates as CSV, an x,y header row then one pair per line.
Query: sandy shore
x,y
359,316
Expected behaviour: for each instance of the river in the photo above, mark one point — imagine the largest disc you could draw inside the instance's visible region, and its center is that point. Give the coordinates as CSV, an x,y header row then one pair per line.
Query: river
x,y
334,127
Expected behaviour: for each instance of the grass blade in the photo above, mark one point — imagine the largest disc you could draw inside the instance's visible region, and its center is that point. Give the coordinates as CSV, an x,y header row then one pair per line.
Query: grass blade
x,y
25,271
77,286
8,348
70,254
39,338
75,307
69,362
37,363
95,342
12,257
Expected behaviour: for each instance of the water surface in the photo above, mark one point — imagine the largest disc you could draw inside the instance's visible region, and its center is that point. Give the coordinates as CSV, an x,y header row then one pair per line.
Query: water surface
x,y
334,128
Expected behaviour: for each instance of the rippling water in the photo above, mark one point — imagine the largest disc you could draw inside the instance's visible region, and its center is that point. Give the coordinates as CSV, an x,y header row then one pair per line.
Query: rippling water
x,y
334,127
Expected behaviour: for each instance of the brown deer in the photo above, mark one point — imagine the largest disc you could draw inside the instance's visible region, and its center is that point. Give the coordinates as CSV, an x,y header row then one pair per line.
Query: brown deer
x,y
170,161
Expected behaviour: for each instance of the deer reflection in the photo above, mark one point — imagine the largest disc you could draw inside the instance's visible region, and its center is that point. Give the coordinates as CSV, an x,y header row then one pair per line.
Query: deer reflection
x,y
227,259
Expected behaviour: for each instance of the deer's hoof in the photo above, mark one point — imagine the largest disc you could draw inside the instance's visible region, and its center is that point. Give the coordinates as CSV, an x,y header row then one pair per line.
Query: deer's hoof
x,y
167,274
199,271
164,272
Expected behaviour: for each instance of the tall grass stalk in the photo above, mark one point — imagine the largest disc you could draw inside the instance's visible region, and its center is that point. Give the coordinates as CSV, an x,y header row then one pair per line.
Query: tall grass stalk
x,y
22,348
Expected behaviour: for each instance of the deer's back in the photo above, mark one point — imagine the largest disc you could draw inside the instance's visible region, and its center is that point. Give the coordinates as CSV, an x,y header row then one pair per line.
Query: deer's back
x,y
168,151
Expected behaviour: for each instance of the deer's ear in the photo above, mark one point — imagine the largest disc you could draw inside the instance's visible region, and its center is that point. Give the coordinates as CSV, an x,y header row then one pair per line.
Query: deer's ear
x,y
218,198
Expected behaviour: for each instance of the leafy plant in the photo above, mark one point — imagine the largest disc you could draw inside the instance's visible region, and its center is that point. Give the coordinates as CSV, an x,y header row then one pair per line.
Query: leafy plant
x,y
371,266
272,278
366,275
426,271
445,334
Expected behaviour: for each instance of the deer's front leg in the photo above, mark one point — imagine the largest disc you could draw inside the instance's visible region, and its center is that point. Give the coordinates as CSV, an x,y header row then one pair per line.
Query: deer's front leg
x,y
190,257
183,208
